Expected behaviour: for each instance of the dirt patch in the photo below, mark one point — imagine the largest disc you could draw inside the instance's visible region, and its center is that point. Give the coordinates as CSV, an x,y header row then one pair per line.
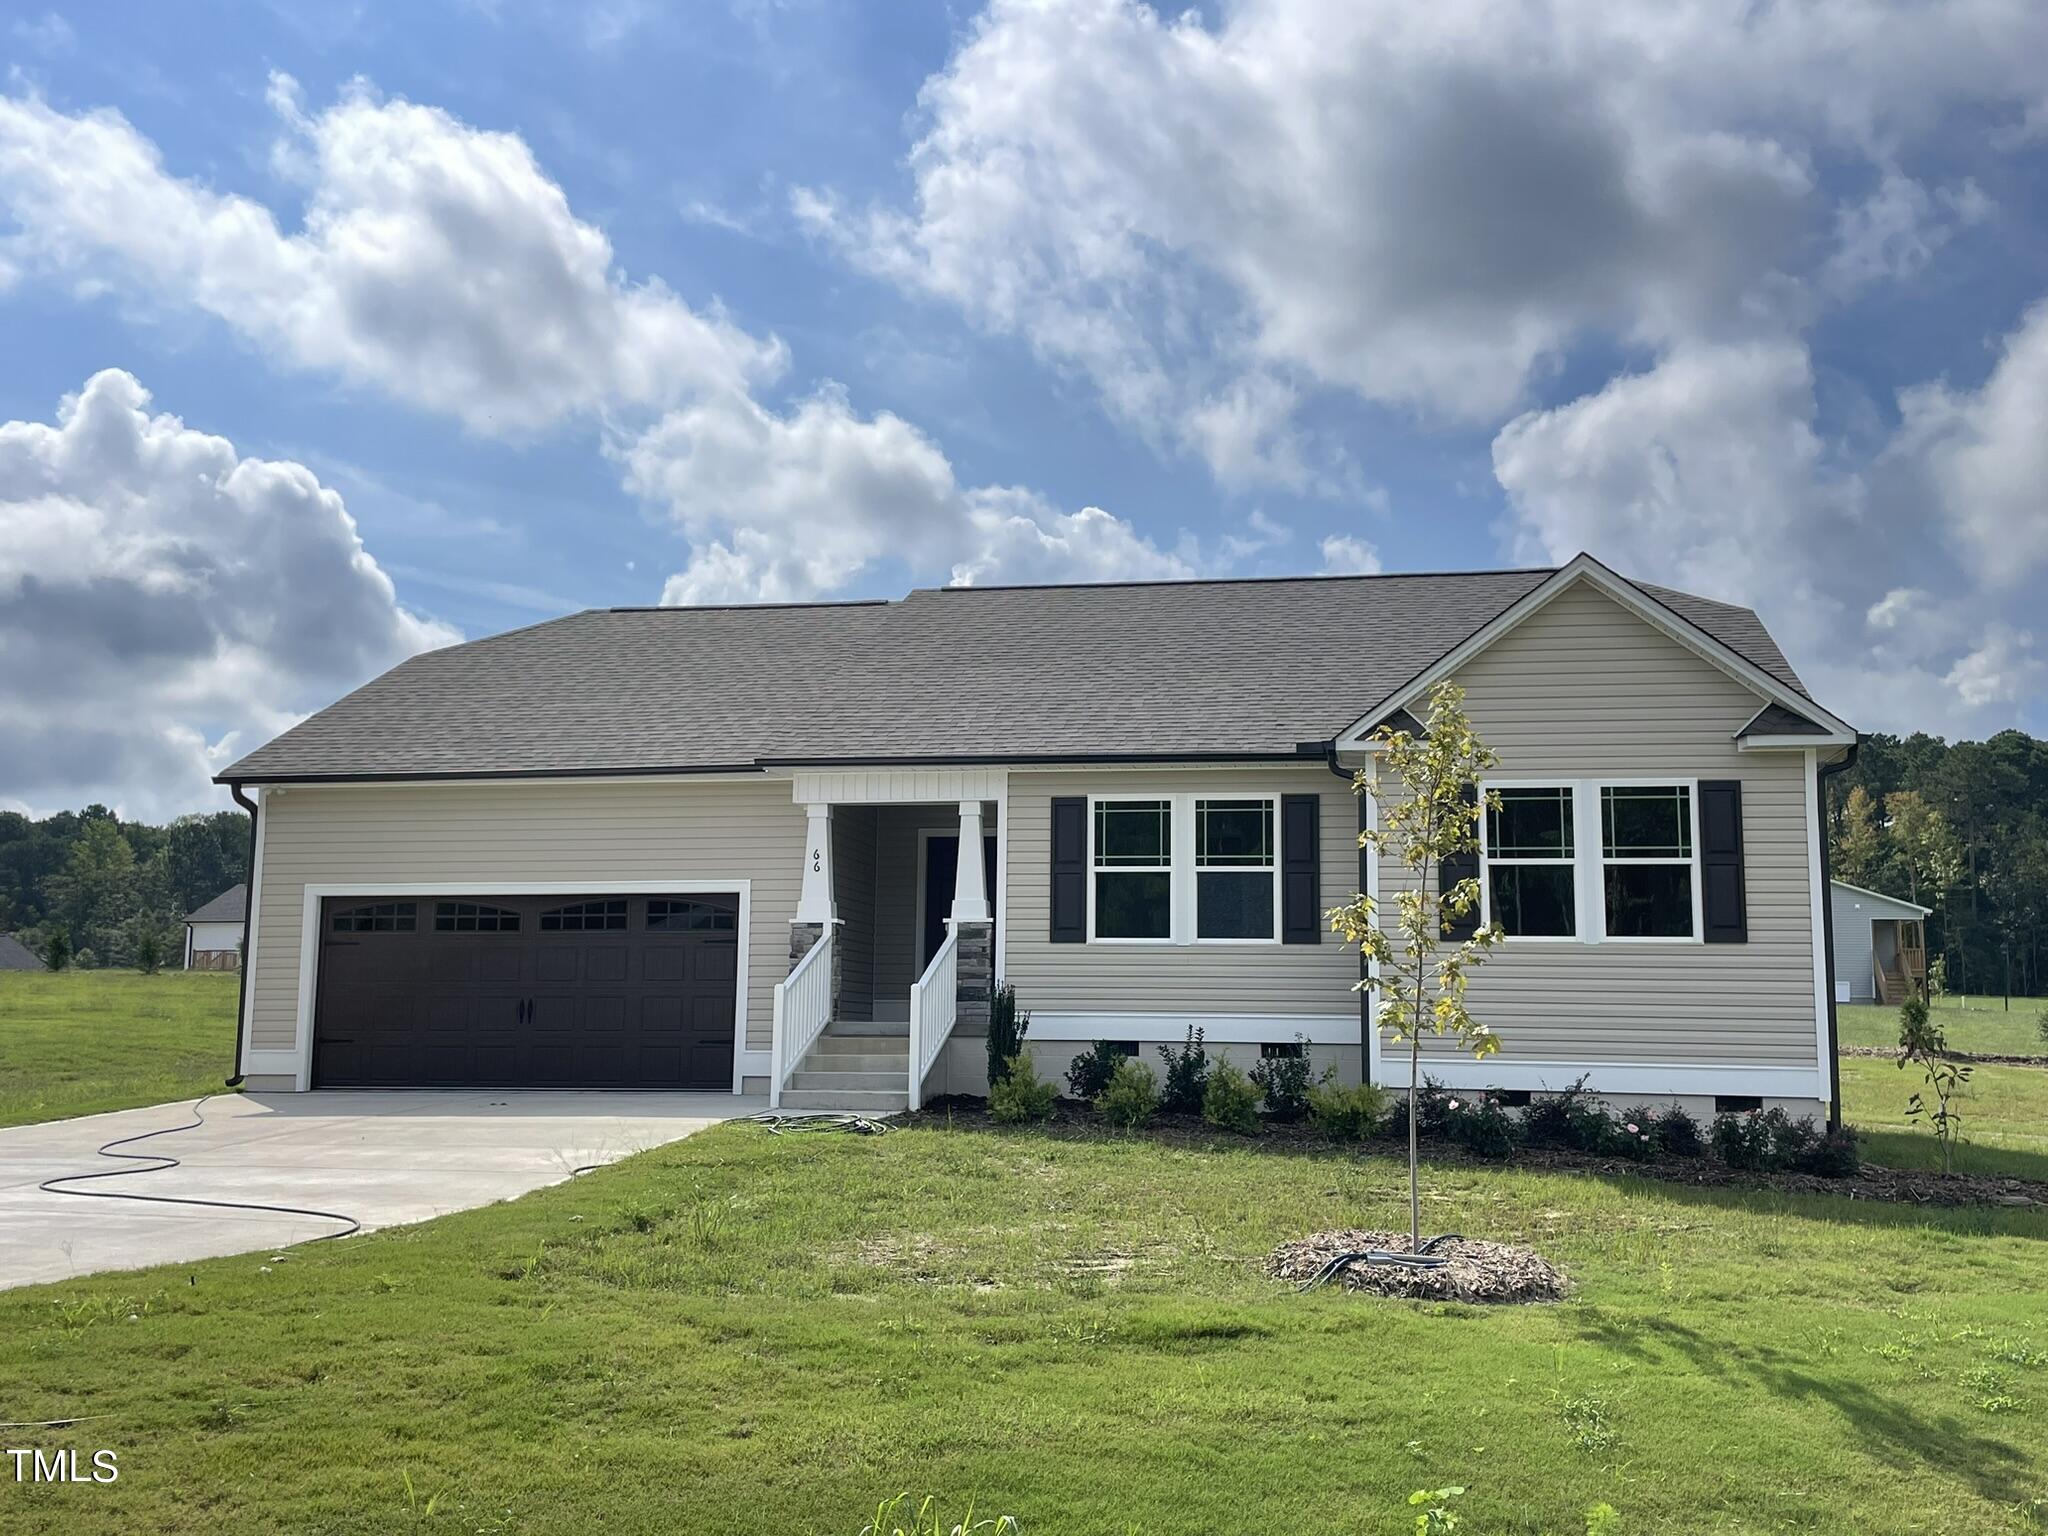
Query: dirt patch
x,y
1076,1121
1891,1053
1491,1273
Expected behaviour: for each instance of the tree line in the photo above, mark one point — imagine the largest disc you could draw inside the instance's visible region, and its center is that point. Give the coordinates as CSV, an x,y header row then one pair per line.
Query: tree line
x,y
1961,828
102,891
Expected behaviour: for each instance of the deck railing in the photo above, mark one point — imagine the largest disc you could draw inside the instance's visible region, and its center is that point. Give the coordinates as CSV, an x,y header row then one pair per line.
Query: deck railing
x,y
803,1007
934,1008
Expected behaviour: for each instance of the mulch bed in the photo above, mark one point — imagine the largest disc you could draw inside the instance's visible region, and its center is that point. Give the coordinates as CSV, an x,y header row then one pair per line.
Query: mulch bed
x,y
1478,1271
1075,1121
1891,1053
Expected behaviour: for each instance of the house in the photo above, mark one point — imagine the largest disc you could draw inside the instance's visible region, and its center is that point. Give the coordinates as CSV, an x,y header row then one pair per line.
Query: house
x,y
786,849
17,956
1880,946
213,934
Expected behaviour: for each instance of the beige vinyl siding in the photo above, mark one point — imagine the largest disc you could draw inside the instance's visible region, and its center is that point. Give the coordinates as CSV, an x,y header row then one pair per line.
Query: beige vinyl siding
x,y
525,832
1192,979
853,896
1586,690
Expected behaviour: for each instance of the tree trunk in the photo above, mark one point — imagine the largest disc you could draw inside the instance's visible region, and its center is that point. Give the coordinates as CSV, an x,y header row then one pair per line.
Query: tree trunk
x,y
1414,1114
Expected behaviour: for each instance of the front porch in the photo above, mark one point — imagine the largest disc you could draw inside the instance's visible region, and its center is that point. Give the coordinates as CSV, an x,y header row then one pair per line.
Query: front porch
x,y
893,945
1898,957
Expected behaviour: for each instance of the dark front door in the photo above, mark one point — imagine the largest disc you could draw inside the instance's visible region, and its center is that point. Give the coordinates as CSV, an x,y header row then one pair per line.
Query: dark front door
x,y
527,992
941,867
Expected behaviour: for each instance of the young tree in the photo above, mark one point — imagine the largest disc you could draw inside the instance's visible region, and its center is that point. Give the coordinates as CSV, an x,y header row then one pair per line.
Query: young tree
x,y
1921,1043
1429,814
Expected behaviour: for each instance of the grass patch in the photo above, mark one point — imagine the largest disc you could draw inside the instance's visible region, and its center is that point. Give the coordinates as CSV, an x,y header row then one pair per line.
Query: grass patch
x,y
1985,1025
2005,1118
1079,1334
79,1042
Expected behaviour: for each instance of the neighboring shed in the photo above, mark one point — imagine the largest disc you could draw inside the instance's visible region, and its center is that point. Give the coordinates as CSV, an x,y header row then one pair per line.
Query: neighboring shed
x,y
1880,945
17,956
213,934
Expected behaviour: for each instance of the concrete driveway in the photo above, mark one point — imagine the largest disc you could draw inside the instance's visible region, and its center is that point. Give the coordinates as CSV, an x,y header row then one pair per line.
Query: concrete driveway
x,y
382,1157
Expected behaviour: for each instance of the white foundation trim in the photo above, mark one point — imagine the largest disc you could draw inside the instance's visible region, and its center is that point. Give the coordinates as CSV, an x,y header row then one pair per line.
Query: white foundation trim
x,y
1818,892
1217,1028
1616,1077
300,1057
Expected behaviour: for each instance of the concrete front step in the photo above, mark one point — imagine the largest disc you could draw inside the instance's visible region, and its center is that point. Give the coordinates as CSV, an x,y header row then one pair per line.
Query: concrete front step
x,y
900,1028
896,1046
896,1066
867,1101
834,1078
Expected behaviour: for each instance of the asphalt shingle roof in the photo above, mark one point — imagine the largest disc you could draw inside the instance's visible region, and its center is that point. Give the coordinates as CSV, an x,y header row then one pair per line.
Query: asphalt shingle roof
x,y
230,906
17,956
1197,668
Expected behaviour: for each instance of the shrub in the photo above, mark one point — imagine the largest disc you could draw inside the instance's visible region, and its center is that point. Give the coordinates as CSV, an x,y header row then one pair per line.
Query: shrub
x,y
1834,1154
1433,1103
1677,1134
1482,1126
1187,1074
1131,1096
1635,1134
1792,1141
1284,1080
1348,1114
57,952
1006,1030
1229,1101
1020,1095
149,954
1089,1073
1742,1141
1572,1118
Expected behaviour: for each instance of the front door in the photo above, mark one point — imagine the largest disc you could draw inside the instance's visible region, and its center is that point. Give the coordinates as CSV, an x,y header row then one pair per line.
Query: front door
x,y
941,867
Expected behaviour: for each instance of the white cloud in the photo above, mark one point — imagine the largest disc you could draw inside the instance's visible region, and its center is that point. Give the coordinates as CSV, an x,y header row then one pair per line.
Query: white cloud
x,y
1423,205
1345,554
164,602
1894,233
434,260
784,506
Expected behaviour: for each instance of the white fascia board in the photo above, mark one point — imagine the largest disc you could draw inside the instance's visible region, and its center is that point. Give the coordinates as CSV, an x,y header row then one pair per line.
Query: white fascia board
x,y
1584,568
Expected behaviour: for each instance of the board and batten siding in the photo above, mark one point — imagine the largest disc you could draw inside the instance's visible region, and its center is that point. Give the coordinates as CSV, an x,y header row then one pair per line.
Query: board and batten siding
x,y
853,897
1177,980
479,833
1584,689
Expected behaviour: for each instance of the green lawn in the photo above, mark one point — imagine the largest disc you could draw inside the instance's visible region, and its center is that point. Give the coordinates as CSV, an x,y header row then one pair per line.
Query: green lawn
x,y
2005,1118
78,1042
1985,1025
749,1333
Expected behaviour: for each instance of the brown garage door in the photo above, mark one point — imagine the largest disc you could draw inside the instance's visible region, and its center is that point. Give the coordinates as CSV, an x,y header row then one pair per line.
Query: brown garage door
x,y
527,992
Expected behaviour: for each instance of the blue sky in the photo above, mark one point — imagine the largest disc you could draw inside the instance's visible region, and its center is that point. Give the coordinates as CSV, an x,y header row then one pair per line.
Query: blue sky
x,y
1738,299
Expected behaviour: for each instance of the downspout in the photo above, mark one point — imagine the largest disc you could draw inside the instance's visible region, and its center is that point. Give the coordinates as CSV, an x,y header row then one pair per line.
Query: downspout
x,y
1827,914
248,913
1364,996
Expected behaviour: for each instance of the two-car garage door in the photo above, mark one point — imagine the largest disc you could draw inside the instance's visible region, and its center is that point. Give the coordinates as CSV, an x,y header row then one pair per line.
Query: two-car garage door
x,y
527,992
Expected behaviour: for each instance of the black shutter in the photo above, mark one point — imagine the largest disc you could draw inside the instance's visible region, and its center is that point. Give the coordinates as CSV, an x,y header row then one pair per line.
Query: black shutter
x,y
1723,898
1070,869
1460,866
1301,869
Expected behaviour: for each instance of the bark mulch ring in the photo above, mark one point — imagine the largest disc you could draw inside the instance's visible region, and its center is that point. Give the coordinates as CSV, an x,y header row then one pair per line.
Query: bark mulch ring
x,y
1075,1121
1477,1271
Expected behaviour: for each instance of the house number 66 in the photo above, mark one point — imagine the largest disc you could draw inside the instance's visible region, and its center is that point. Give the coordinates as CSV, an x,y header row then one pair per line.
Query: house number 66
x,y
817,863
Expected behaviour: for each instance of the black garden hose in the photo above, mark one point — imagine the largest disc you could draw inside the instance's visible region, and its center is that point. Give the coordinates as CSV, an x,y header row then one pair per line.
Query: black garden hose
x,y
1425,1257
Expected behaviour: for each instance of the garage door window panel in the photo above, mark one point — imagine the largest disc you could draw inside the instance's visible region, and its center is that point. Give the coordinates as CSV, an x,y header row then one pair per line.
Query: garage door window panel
x,y
473,917
379,917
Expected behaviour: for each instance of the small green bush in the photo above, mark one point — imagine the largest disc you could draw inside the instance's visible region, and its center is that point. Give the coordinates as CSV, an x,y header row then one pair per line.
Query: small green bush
x,y
1229,1101
1834,1154
1433,1101
1284,1082
1131,1096
1349,1114
1187,1075
1482,1126
1771,1141
1635,1133
1742,1141
1020,1096
1006,1031
1677,1134
1572,1118
1089,1073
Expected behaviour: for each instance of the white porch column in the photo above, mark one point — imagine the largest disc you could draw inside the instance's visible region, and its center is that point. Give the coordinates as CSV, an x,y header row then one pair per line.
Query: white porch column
x,y
814,903
970,889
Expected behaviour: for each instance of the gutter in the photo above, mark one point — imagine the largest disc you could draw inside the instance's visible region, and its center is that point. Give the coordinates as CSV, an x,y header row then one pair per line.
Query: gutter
x,y
248,916
1364,995
1827,915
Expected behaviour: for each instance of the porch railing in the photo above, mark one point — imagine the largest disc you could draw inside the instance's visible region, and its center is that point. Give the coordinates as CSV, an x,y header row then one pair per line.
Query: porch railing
x,y
803,1007
934,1009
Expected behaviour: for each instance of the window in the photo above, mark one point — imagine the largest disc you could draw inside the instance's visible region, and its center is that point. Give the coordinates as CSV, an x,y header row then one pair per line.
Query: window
x,y
1133,869
665,915
1235,875
470,917
1531,883
1646,848
585,917
382,917
1281,1050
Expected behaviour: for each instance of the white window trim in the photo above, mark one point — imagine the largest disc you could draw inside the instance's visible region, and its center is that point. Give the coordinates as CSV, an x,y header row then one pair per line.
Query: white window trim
x,y
1182,869
1590,861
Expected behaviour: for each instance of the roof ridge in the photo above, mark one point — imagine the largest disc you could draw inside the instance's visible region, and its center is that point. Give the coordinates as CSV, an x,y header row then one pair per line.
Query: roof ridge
x,y
1235,581
828,602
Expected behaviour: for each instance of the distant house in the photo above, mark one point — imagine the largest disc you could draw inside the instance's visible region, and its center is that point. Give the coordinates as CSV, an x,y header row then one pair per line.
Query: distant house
x,y
1880,945
213,934
17,956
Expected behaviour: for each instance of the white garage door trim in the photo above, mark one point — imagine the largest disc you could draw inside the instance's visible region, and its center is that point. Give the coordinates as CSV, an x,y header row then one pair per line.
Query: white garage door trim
x,y
301,1055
